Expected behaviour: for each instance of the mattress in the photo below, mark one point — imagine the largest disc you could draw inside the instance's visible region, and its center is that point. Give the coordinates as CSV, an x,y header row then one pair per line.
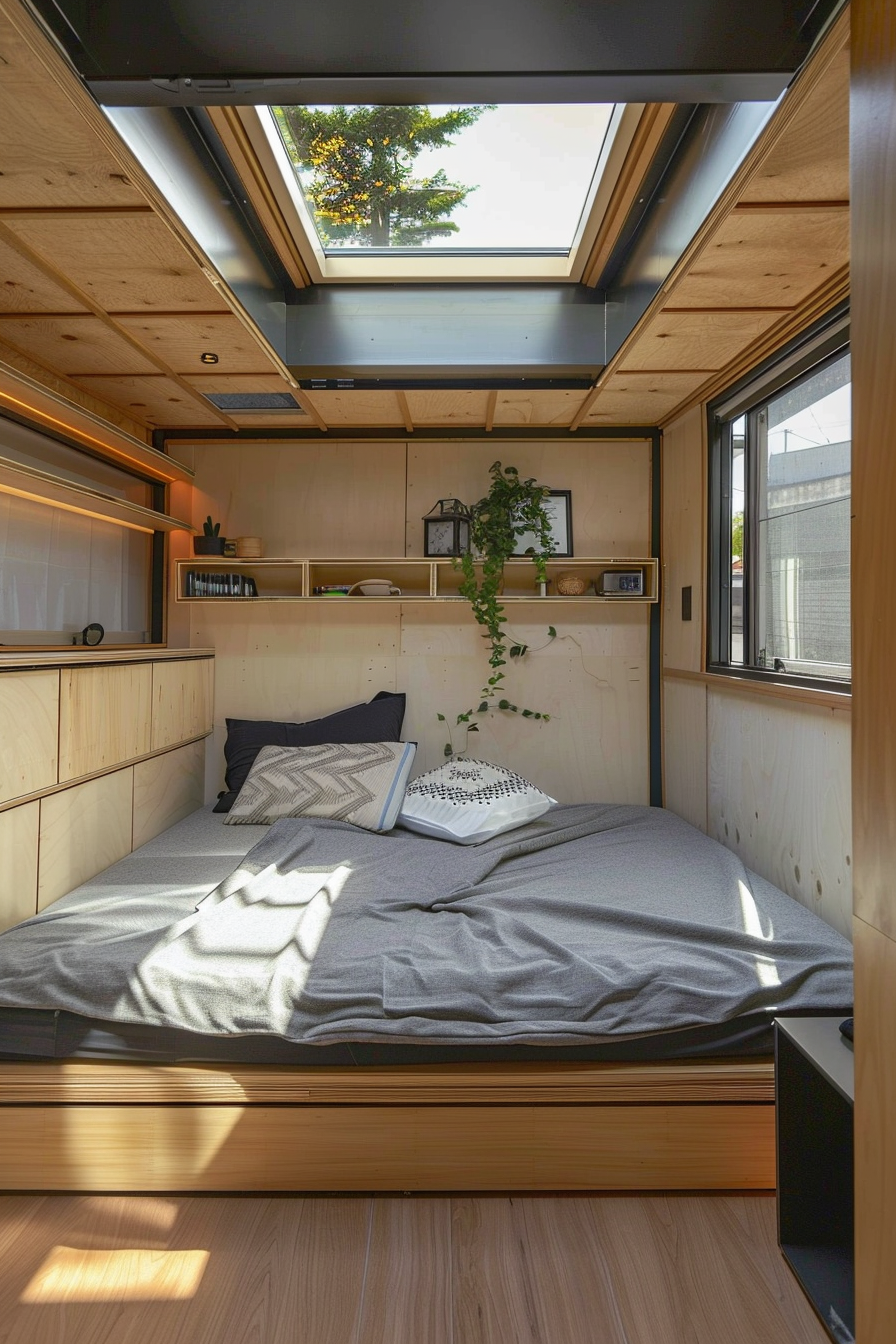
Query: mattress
x,y
597,932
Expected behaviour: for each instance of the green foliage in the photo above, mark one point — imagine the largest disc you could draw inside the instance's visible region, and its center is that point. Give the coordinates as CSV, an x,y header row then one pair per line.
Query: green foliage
x,y
737,536
363,188
211,529
512,507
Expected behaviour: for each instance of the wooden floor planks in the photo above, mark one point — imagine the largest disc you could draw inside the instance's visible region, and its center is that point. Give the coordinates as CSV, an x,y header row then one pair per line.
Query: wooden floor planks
x,y
564,1269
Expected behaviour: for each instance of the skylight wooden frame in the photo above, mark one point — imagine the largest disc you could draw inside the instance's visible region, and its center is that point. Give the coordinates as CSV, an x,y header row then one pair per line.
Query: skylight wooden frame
x,y
273,166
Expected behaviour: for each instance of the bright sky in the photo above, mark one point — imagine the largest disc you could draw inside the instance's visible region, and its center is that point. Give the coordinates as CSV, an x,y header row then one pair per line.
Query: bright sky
x,y
828,420
532,167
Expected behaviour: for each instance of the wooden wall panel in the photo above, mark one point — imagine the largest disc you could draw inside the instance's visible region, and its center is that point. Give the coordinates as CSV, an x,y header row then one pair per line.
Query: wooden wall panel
x,y
592,680
779,796
685,750
104,717
292,662
307,498
167,788
182,700
684,539
873,168
82,830
610,484
18,863
29,712
297,661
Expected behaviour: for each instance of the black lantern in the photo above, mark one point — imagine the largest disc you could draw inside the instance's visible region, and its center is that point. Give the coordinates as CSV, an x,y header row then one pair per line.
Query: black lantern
x,y
446,528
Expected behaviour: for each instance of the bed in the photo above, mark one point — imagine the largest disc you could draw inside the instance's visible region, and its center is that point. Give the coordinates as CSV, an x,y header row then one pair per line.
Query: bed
x,y
583,1002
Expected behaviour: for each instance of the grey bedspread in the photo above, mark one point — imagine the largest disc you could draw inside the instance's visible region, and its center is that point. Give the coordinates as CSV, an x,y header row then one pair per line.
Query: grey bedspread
x,y
590,923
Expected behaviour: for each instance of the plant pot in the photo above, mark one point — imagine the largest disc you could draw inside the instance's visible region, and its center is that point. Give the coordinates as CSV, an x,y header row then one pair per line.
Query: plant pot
x,y
208,545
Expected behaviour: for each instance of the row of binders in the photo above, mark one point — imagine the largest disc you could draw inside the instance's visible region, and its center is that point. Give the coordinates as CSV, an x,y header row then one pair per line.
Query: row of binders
x,y
219,585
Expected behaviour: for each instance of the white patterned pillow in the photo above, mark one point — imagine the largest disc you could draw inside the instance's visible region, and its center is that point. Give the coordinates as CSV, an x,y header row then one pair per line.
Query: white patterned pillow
x,y
360,782
470,801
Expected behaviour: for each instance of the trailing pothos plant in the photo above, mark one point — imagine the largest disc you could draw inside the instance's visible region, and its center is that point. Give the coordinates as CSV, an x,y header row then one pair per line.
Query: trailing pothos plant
x,y
512,507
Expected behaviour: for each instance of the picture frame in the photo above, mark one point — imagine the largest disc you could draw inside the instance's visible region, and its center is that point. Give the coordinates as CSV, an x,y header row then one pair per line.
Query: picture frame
x,y
558,506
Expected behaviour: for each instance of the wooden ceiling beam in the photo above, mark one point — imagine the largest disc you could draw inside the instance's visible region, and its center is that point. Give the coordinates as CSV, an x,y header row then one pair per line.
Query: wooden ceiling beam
x,y
405,411
490,407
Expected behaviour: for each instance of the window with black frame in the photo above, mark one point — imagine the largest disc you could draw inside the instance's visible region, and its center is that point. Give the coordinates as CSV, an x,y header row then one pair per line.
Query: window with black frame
x,y
780,524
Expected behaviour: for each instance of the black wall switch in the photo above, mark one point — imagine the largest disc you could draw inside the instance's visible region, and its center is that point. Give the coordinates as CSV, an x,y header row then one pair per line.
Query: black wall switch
x,y
686,603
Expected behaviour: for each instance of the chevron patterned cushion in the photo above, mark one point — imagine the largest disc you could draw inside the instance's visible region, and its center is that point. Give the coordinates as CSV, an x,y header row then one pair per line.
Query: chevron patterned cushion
x,y
470,801
360,782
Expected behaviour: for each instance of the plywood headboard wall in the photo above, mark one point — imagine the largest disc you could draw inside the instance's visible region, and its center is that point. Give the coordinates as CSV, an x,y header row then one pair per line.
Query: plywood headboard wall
x,y
301,660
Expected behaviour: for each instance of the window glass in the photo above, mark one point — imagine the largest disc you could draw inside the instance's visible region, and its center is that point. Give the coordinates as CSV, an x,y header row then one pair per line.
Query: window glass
x,y
804,514
781,475
423,178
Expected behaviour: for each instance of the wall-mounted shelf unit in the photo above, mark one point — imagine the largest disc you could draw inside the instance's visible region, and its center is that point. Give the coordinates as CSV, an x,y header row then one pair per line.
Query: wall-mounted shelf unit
x,y
290,579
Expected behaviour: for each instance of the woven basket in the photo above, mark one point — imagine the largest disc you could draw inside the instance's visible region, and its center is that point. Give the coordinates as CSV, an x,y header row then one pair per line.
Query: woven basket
x,y
570,585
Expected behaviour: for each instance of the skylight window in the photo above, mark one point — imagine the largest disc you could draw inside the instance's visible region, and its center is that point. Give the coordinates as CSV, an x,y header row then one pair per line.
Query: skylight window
x,y
515,178
430,193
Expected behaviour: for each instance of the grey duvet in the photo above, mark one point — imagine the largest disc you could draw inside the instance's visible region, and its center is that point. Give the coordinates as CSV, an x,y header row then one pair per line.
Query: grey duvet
x,y
590,924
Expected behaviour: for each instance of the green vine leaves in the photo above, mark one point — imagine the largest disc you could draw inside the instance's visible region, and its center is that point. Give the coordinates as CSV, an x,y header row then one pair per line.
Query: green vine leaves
x,y
512,507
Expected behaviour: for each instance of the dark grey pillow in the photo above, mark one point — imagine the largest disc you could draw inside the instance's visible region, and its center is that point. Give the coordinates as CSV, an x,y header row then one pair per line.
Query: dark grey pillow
x,y
379,720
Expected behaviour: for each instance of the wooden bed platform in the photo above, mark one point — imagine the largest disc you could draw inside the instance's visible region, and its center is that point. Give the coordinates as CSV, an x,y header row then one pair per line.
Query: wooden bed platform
x,y
85,1126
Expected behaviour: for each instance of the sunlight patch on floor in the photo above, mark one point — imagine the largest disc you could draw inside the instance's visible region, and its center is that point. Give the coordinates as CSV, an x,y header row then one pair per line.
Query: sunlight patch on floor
x,y
70,1274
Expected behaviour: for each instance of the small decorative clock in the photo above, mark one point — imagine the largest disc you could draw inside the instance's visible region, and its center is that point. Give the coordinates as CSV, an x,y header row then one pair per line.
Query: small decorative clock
x,y
446,528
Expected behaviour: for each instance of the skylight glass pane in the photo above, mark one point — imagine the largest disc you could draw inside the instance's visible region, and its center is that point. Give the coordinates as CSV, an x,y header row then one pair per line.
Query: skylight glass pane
x,y
433,179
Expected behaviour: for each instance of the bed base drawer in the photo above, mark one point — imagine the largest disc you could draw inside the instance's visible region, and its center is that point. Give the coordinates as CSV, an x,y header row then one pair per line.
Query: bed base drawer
x,y
140,1147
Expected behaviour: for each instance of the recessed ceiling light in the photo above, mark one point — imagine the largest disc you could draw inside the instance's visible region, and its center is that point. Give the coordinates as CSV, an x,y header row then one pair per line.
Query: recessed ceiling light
x,y
207,357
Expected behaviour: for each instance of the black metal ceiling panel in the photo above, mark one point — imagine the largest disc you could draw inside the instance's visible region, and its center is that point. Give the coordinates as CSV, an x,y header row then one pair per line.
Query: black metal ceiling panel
x,y
145,51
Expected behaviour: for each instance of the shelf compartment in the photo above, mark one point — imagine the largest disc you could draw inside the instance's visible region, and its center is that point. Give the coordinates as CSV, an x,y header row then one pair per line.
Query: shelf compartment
x,y
413,577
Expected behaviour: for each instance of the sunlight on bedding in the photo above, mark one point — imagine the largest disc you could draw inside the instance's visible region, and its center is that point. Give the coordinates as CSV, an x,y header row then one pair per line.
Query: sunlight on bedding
x,y
766,967
70,1274
273,919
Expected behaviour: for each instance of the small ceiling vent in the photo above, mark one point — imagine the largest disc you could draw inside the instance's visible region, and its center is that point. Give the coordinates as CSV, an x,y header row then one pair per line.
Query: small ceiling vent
x,y
255,401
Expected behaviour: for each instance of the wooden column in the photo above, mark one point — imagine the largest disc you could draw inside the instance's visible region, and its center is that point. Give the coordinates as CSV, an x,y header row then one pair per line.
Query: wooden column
x,y
873,172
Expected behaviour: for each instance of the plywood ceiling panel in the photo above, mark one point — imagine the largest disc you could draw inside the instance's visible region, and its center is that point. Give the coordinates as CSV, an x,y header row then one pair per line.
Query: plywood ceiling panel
x,y
73,345
641,398
181,340
448,408
25,289
811,160
358,408
50,155
126,263
696,341
153,400
546,407
760,259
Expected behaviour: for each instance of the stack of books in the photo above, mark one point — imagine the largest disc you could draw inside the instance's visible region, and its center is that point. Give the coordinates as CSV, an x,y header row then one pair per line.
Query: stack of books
x,y
331,590
219,585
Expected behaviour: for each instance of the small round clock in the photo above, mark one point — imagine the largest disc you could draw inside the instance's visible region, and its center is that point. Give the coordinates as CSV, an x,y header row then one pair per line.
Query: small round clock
x,y
93,633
